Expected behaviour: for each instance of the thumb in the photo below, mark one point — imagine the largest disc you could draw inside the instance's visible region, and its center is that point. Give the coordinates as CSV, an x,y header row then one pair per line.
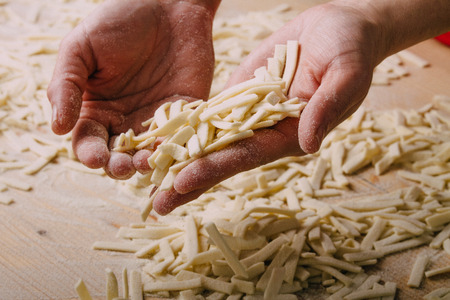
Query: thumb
x,y
339,94
73,67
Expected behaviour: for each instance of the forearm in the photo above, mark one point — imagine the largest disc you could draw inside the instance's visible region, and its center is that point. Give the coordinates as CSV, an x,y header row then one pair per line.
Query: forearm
x,y
403,23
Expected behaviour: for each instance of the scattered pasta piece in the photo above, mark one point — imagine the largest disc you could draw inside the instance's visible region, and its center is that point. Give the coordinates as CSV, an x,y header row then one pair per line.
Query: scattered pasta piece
x,y
112,289
446,246
135,285
440,293
418,270
6,200
437,271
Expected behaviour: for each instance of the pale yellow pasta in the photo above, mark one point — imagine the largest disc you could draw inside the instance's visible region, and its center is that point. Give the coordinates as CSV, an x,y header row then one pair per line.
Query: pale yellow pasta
x,y
414,242
229,255
274,283
277,262
15,183
388,290
154,244
265,252
82,291
423,178
243,286
174,285
335,273
318,173
37,165
6,200
191,244
372,204
363,255
149,232
297,244
446,246
187,295
368,283
112,288
314,234
207,282
148,206
437,271
343,290
330,261
292,52
120,246
125,285
438,219
418,270
201,258
437,294
135,285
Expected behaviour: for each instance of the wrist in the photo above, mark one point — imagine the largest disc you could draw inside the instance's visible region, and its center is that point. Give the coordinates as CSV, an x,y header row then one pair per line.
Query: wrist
x,y
403,23
377,27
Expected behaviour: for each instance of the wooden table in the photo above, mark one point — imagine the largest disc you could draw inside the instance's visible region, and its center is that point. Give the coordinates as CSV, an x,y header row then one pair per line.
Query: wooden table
x,y
47,234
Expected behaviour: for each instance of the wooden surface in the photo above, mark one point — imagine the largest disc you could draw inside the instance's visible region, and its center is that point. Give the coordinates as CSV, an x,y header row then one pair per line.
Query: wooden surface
x,y
46,235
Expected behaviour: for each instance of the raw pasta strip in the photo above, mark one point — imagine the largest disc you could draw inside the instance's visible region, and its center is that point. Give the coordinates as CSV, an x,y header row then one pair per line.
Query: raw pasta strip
x,y
418,270
82,291
229,255
112,289
135,285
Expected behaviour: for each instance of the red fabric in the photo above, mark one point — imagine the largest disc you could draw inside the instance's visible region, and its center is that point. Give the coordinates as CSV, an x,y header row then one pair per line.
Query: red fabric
x,y
444,38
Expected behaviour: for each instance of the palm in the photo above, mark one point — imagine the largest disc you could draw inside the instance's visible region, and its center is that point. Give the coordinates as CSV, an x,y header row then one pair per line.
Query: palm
x,y
333,75
126,59
335,67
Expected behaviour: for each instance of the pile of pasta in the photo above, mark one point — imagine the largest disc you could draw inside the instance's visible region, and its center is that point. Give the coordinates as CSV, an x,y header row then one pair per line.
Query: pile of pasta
x,y
272,232
281,228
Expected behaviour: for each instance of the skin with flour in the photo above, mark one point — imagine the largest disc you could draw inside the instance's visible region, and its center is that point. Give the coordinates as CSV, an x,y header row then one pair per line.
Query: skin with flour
x,y
120,64
334,80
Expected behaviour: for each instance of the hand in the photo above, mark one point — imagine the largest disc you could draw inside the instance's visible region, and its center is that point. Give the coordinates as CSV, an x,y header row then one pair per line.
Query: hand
x,y
120,64
337,58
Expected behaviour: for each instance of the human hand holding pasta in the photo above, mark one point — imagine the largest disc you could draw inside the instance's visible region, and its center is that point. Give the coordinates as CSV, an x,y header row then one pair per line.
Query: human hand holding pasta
x,y
341,43
120,64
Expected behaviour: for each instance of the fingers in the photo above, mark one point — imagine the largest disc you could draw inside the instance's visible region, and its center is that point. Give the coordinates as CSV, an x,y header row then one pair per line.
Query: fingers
x,y
167,201
72,69
120,166
140,161
90,144
265,146
339,95
89,141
